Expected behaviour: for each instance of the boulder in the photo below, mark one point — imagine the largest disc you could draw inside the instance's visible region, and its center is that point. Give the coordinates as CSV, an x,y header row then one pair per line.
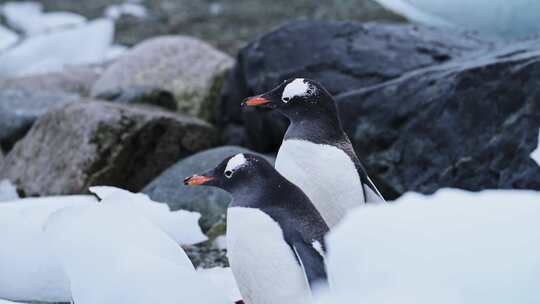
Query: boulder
x,y
138,95
470,123
100,143
189,68
19,109
210,202
74,80
341,55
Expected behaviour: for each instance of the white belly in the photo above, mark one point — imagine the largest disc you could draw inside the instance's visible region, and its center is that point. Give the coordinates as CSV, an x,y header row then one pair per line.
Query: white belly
x,y
325,173
263,264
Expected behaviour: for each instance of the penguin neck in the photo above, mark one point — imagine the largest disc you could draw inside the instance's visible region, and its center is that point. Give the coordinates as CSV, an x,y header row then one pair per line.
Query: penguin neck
x,y
323,128
263,194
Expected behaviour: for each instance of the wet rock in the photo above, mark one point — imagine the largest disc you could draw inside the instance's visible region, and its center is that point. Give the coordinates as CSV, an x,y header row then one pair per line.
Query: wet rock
x,y
100,143
344,56
20,108
141,95
210,202
190,69
471,123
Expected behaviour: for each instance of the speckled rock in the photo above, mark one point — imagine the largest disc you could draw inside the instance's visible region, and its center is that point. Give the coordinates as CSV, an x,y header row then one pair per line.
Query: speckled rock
x,y
100,143
189,68
210,202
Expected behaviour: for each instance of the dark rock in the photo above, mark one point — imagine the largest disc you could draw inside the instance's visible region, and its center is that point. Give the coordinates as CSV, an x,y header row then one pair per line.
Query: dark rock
x,y
210,202
100,143
341,55
207,256
141,95
471,123
19,109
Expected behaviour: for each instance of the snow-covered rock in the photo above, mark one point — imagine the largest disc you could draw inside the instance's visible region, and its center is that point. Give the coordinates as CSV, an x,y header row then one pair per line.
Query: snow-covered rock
x,y
224,278
503,18
451,247
8,191
17,14
536,153
124,259
53,51
30,271
7,38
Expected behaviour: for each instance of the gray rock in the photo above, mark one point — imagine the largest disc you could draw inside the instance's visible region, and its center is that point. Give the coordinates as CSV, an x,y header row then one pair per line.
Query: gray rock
x,y
471,123
210,202
343,57
74,80
19,109
189,68
141,95
100,143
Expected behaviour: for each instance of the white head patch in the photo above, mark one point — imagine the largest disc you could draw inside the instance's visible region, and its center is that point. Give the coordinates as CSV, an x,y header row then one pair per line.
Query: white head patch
x,y
236,162
298,87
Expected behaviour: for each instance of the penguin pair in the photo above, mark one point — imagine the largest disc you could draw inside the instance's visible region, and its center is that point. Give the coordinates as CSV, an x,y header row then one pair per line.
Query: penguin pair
x,y
317,179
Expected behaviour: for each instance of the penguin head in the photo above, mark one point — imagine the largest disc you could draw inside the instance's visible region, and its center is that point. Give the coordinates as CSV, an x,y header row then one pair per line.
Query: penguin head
x,y
296,98
243,171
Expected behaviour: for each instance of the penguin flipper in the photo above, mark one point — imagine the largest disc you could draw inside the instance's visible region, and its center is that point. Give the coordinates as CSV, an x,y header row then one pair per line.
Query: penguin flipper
x,y
311,261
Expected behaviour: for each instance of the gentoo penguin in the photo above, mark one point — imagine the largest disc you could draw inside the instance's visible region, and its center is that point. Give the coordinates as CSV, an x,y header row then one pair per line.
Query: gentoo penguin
x,y
274,233
316,154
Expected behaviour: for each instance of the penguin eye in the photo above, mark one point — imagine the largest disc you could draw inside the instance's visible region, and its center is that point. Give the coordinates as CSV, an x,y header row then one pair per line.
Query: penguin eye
x,y
286,99
228,173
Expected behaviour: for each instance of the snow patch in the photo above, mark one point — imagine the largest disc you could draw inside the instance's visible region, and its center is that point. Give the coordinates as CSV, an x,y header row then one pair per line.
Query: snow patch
x,y
223,278
452,247
7,38
8,191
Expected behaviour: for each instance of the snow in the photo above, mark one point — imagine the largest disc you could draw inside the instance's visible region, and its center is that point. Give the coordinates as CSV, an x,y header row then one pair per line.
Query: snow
x,y
224,278
535,155
128,259
8,191
29,18
29,270
53,51
115,51
451,247
182,226
115,11
7,38
9,302
516,18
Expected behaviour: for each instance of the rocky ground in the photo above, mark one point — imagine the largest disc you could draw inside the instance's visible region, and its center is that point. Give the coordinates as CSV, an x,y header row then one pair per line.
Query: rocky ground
x,y
425,108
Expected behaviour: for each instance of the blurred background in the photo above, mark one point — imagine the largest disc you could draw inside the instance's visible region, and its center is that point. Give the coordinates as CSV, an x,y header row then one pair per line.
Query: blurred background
x,y
141,93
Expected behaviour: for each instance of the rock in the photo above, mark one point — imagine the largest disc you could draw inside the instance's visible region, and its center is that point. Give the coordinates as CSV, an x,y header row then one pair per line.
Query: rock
x,y
141,95
189,68
100,143
210,202
344,56
19,109
471,123
74,80
207,256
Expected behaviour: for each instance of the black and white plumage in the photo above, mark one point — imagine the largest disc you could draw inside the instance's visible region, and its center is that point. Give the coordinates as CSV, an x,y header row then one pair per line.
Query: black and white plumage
x,y
275,236
316,154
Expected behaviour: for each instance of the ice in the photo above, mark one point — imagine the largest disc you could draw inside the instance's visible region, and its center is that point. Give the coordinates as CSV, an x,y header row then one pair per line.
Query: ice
x,y
451,247
182,226
51,52
224,278
536,153
7,38
503,18
126,258
8,192
29,18
115,51
116,10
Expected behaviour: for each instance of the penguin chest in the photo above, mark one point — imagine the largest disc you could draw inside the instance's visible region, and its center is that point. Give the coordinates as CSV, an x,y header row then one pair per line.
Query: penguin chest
x,y
263,264
325,173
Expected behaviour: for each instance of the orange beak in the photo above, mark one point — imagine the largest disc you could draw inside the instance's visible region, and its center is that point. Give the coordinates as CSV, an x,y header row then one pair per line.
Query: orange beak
x,y
197,180
255,101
